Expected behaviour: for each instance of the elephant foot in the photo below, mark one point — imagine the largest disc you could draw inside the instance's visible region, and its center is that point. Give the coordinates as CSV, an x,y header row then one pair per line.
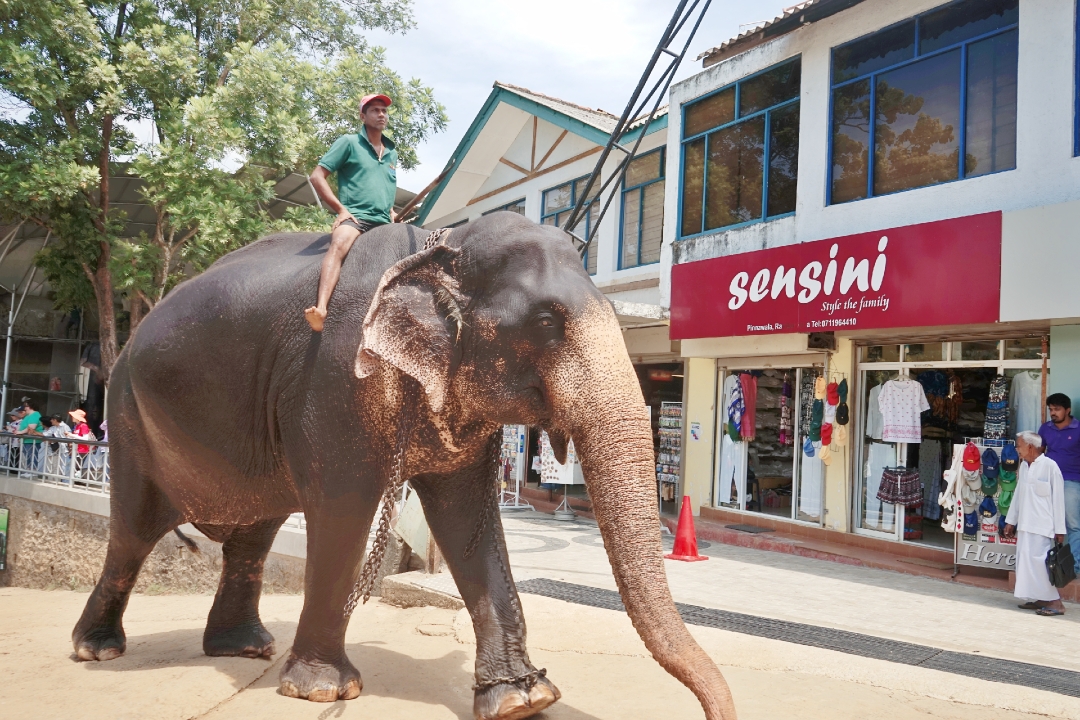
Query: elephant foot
x,y
320,682
102,643
248,640
509,701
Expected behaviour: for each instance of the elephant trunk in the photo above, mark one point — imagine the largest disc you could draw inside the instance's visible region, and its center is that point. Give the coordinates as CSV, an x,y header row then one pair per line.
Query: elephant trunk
x,y
604,412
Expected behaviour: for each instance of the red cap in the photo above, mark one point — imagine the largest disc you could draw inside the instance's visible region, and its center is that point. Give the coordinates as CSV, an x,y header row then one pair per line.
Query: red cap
x,y
368,98
826,434
832,393
972,459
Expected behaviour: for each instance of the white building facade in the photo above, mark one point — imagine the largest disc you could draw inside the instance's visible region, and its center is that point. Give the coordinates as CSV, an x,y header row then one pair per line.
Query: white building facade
x,y
871,192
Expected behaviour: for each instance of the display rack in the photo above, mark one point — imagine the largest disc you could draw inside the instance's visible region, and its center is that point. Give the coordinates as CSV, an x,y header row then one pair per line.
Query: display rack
x,y
669,458
512,468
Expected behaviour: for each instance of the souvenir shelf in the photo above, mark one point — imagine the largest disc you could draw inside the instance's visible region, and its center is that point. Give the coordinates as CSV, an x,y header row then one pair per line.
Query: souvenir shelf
x,y
670,455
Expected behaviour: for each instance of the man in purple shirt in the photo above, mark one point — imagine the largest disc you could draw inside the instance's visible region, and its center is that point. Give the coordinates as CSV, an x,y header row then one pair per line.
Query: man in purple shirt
x,y
1062,439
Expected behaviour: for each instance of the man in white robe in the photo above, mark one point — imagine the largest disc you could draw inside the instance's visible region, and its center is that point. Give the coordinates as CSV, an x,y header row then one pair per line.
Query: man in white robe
x,y
1037,518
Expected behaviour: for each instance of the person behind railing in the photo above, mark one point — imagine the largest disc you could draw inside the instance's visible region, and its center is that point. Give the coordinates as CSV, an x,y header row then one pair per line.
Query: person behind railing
x,y
31,426
58,455
81,431
9,453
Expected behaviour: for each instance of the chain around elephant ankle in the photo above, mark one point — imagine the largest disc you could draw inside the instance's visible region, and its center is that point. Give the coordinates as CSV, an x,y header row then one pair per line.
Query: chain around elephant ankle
x,y
529,679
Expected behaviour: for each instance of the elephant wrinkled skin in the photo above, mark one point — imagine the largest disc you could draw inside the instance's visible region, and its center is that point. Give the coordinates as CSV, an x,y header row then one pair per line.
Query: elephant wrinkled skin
x,y
228,412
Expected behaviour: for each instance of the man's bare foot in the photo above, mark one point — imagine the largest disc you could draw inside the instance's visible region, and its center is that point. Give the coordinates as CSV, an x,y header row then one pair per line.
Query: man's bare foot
x,y
315,318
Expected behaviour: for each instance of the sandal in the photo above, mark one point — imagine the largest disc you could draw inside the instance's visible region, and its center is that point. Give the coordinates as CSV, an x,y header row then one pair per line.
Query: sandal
x,y
1049,612
1030,606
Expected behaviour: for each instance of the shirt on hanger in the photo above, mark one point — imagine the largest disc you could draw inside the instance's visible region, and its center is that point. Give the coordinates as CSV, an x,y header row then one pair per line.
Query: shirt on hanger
x,y
874,420
1025,402
902,403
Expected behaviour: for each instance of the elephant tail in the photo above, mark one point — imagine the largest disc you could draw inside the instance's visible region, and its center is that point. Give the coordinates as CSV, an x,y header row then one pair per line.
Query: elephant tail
x,y
187,541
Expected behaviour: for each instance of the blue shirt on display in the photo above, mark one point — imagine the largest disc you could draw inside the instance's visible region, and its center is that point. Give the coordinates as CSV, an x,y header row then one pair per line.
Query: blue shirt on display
x,y
1063,447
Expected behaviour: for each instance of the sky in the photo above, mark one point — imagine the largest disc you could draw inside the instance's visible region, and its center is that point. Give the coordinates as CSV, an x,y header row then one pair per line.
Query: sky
x,y
589,52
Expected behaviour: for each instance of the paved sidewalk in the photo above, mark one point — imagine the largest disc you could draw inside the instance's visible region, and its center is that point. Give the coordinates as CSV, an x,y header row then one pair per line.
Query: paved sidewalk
x,y
417,663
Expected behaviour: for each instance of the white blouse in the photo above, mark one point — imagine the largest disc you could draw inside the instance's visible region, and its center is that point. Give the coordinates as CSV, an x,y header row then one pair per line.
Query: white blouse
x,y
902,402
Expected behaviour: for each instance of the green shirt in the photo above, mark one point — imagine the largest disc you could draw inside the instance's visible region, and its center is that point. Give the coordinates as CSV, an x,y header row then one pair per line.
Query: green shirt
x,y
33,418
366,184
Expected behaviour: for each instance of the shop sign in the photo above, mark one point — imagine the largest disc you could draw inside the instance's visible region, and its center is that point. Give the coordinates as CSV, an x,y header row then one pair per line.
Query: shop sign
x,y
939,273
985,550
660,375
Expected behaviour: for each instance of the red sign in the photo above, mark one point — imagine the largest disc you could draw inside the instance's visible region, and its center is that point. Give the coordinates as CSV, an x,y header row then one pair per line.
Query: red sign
x,y
660,375
939,273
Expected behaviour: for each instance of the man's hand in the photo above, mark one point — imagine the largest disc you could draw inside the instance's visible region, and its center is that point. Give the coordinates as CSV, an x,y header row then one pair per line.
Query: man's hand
x,y
1060,539
342,217
393,216
1010,530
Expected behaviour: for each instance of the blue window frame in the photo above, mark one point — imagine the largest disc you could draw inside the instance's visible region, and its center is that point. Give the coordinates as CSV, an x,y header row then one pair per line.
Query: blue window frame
x,y
740,152
518,206
560,200
641,228
1076,86
926,101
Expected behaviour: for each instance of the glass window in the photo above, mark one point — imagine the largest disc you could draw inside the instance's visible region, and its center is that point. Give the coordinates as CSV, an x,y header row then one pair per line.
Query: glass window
x,y
746,167
924,352
881,353
964,20
851,141
917,124
1025,349
642,228
558,202
987,350
518,206
991,105
942,90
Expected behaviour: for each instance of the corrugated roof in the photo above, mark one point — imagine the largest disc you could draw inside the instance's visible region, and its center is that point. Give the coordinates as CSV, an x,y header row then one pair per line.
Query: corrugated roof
x,y
597,118
791,18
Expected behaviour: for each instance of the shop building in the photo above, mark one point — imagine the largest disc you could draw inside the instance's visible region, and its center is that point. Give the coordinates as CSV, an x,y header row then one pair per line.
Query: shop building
x,y
530,153
885,196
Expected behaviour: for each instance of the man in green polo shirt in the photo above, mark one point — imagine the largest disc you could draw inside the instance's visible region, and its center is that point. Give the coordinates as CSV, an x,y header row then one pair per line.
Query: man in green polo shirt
x,y
366,167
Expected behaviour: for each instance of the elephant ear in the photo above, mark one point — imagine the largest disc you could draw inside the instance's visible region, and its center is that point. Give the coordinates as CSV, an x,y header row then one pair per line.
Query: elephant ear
x,y
414,322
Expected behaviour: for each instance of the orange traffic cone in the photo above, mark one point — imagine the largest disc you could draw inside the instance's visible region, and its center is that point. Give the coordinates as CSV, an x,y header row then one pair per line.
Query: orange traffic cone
x,y
685,537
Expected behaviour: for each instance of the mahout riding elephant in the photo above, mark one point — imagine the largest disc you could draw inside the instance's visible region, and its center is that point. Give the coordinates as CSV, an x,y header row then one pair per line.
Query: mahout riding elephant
x,y
226,411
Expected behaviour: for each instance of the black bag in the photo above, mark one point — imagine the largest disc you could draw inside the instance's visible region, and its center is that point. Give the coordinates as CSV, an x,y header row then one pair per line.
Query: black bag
x,y
1061,565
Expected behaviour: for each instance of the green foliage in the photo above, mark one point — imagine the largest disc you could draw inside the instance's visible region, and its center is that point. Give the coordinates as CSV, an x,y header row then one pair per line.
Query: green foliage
x,y
302,218
238,93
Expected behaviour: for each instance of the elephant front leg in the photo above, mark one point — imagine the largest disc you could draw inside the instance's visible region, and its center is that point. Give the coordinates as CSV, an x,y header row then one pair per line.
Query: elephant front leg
x,y
463,515
317,668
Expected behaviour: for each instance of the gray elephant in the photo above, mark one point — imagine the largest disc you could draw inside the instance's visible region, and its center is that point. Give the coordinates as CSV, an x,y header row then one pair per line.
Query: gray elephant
x,y
226,411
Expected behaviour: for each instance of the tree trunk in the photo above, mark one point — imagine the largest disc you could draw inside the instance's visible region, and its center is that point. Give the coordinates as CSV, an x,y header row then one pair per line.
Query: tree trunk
x,y
101,279
596,398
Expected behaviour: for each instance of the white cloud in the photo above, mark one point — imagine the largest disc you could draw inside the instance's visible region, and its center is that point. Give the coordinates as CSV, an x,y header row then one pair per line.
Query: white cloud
x,y
591,52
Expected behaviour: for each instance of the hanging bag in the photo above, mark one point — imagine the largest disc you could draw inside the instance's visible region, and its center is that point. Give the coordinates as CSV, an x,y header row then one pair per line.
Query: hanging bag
x,y
1061,565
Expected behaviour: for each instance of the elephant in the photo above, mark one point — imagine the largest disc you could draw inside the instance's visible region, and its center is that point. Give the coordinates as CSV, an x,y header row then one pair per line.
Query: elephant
x,y
227,411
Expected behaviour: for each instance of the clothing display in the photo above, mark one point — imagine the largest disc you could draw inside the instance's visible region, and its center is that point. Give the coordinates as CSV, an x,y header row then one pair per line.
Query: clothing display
x,y
879,457
997,410
786,436
806,400
731,467
930,472
748,426
1025,402
551,470
875,421
811,480
733,402
902,403
900,486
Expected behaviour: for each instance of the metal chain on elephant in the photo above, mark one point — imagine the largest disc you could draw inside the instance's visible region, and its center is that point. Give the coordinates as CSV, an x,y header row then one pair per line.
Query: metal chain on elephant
x,y
490,500
528,679
436,237
366,583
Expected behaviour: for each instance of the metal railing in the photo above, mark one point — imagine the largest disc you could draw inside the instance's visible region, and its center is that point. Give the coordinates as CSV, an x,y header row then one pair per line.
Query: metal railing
x,y
69,462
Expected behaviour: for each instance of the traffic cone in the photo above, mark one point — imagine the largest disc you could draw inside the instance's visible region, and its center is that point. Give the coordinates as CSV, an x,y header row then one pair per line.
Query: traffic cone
x,y
685,537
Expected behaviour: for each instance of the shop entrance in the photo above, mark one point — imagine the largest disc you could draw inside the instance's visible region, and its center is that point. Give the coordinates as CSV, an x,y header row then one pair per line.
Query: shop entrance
x,y
760,467
662,388
956,379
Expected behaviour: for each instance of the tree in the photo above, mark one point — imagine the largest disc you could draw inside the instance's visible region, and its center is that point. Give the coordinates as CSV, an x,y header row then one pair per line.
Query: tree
x,y
238,93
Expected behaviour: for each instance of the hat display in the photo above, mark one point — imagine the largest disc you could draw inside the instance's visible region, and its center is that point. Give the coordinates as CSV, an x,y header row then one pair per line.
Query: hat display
x,y
990,464
1004,501
839,436
819,388
971,523
1007,480
987,508
826,454
843,413
808,448
1010,459
971,479
841,390
989,486
972,461
832,393
817,414
826,436
830,412
969,498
